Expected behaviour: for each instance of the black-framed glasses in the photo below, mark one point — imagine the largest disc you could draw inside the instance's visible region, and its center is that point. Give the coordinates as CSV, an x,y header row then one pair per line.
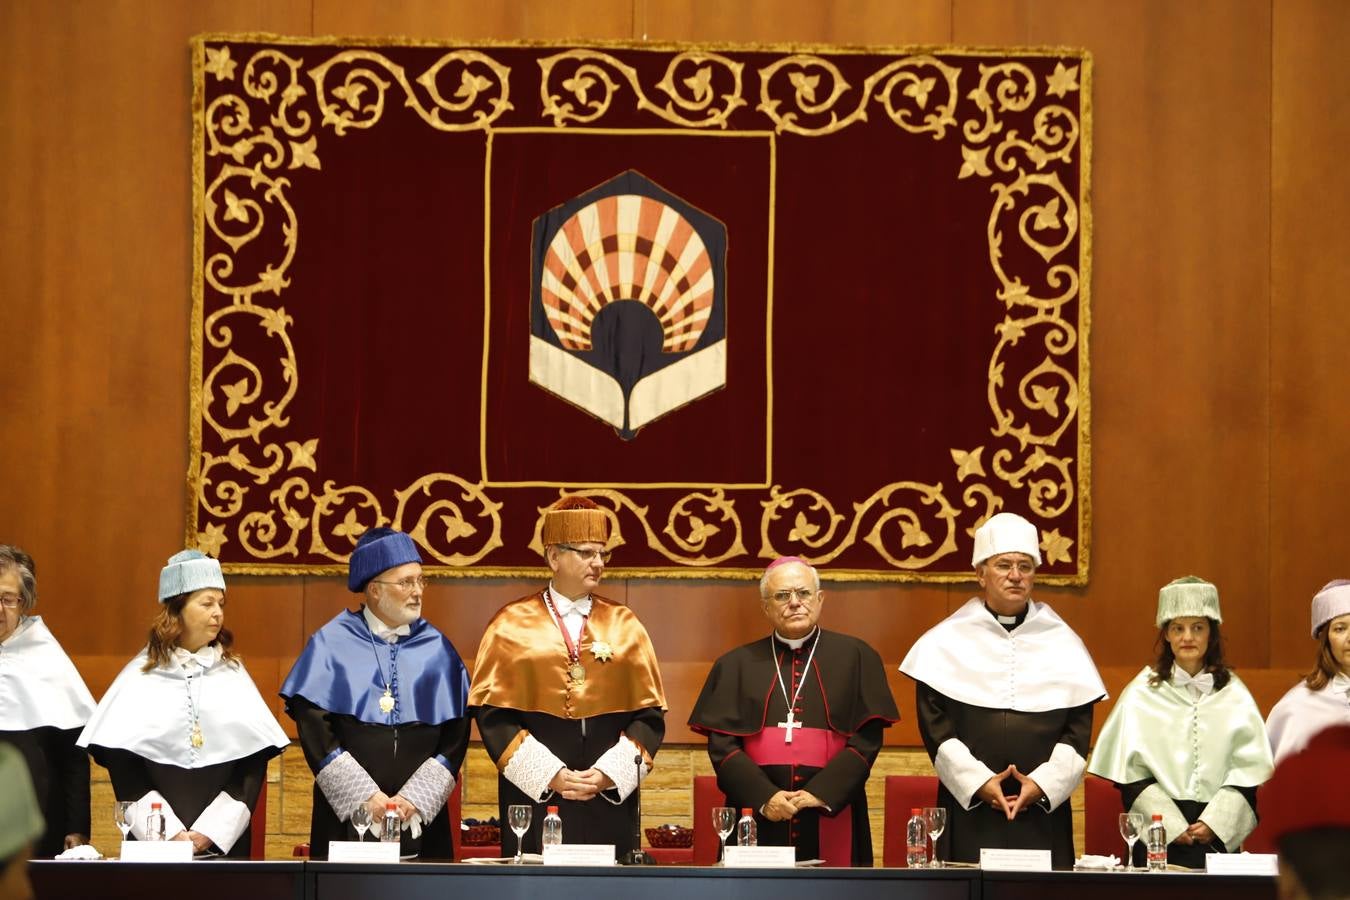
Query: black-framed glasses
x,y
10,601
803,595
405,584
588,555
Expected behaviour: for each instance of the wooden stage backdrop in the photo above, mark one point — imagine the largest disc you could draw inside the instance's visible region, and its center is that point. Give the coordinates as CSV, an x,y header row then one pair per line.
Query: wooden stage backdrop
x,y
1220,203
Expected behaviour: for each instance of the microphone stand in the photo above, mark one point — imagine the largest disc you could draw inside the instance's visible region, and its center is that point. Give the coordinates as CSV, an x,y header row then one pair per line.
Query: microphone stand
x,y
638,857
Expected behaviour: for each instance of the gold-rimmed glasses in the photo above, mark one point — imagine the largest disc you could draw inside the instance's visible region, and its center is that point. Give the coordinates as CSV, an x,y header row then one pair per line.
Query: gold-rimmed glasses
x,y
588,554
802,595
406,585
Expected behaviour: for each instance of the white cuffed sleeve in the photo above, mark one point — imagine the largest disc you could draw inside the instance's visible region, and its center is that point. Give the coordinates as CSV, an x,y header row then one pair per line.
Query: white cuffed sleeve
x,y
1230,817
961,772
345,785
1060,774
427,789
223,821
1154,799
532,767
172,824
617,763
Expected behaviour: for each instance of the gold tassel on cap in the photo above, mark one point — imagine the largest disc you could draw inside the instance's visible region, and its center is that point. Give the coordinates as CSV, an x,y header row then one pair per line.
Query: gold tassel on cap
x,y
575,520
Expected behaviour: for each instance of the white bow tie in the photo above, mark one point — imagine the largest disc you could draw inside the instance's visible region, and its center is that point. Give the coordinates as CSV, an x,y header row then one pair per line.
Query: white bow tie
x,y
1341,685
566,607
1199,685
205,657
391,635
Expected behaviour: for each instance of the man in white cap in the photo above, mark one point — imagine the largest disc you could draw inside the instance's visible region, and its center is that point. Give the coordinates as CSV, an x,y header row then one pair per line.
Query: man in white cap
x,y
20,825
1005,691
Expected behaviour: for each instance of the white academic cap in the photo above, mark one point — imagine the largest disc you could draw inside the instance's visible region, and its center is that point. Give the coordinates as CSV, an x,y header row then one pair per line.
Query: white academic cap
x,y
1331,601
1006,533
20,818
1189,596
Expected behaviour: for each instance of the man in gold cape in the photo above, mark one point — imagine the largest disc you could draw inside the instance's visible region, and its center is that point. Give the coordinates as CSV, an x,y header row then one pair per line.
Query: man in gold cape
x,y
567,693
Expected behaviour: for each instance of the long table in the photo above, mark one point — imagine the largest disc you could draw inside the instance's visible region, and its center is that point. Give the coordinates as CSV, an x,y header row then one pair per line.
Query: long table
x,y
415,881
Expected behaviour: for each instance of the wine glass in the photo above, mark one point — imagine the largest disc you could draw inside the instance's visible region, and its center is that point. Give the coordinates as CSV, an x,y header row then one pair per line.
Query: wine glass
x,y
361,820
124,811
1131,824
935,817
518,817
724,821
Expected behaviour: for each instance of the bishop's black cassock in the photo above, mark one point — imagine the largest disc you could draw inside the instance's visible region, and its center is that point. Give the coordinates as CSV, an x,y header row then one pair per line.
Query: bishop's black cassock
x,y
844,706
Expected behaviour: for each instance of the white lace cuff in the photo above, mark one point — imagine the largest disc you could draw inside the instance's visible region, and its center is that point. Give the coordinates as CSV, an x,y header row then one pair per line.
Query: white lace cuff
x,y
532,767
172,824
428,788
345,785
617,763
961,772
223,821
1059,774
1154,799
1230,817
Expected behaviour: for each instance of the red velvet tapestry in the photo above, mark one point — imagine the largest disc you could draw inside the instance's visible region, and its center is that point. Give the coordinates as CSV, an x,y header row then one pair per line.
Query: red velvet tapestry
x,y
753,301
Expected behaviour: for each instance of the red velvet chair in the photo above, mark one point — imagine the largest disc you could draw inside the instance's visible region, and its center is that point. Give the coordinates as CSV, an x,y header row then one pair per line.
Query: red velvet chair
x,y
903,793
706,796
1101,818
258,822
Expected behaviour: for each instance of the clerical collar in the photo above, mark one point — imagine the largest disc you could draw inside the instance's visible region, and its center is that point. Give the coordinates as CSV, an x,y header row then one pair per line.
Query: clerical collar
x,y
383,631
796,643
1009,622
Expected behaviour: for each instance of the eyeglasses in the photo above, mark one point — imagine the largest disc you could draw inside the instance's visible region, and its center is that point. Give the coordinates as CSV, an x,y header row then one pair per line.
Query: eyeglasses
x,y
406,585
588,555
10,601
1005,567
802,594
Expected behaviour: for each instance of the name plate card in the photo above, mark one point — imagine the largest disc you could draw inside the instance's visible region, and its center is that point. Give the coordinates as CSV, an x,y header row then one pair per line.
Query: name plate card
x,y
761,857
579,855
998,860
363,851
157,851
1242,863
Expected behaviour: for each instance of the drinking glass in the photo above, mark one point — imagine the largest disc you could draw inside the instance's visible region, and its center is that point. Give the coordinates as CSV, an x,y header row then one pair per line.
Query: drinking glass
x,y
935,817
724,821
518,817
1131,829
123,813
361,820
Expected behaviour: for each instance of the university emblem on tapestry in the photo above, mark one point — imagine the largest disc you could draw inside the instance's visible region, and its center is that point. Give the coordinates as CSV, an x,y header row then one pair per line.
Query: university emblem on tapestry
x,y
830,302
627,316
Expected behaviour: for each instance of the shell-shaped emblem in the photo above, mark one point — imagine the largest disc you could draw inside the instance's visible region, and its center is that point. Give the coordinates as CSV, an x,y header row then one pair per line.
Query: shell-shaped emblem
x,y
627,247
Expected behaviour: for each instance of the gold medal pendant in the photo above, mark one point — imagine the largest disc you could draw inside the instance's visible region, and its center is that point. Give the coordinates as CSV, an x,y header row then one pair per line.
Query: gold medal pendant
x,y
197,739
577,672
387,702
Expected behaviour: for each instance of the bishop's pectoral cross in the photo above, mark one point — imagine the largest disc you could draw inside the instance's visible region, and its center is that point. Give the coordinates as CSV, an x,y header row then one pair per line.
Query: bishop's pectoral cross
x,y
787,727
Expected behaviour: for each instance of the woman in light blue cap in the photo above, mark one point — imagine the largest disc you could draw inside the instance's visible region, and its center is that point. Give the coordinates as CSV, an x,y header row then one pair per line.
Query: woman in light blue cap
x,y
183,724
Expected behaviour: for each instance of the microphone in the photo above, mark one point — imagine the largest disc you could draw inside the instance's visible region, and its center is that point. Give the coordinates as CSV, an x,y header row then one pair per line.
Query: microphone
x,y
638,857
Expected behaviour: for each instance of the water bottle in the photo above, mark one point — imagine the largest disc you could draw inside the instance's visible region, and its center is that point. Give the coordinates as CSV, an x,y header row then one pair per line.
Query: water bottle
x,y
916,840
1157,845
747,834
552,828
392,828
154,823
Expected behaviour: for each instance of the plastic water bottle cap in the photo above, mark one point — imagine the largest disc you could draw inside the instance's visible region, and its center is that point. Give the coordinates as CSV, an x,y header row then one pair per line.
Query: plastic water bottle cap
x,y
916,811
155,806
746,811
553,810
1157,817
391,806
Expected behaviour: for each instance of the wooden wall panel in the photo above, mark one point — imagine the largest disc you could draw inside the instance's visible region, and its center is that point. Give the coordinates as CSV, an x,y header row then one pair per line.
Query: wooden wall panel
x,y
1218,424
1310,316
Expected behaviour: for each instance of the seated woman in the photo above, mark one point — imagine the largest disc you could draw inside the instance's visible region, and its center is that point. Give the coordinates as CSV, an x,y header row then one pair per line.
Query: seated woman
x,y
43,705
183,724
1322,698
1185,739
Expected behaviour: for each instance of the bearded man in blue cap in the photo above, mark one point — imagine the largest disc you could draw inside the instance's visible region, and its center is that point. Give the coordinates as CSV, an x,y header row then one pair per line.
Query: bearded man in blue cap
x,y
378,697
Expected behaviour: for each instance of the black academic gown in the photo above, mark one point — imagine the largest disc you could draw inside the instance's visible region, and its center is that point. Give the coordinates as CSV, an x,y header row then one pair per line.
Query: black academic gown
x,y
188,791
390,754
60,773
578,743
999,738
742,697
